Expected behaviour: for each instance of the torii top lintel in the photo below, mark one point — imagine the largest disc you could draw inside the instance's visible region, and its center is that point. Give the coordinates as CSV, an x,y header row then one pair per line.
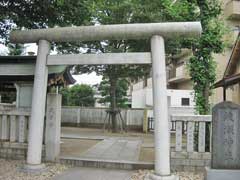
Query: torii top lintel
x,y
108,32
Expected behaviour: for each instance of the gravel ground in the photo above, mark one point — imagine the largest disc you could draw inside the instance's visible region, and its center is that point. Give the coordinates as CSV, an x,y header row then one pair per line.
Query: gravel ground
x,y
9,170
183,175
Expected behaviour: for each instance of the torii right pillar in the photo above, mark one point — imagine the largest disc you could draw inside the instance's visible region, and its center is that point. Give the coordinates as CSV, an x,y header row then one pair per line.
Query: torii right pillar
x,y
160,110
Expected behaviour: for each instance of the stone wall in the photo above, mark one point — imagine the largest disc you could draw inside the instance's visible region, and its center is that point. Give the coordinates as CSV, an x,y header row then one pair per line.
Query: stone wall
x,y
13,150
10,150
190,161
180,161
82,116
134,117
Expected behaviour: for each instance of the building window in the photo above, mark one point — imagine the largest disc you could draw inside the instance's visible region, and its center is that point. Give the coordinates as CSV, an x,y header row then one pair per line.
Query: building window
x,y
185,102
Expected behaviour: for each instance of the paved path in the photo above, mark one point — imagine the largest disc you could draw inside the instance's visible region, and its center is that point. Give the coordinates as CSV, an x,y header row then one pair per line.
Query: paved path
x,y
94,174
115,149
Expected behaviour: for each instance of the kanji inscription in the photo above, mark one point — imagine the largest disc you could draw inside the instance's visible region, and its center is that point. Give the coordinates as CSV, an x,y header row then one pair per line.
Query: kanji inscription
x,y
226,136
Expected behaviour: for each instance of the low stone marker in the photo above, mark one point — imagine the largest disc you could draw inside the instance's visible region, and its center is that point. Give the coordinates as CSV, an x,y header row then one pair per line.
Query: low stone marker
x,y
53,127
225,143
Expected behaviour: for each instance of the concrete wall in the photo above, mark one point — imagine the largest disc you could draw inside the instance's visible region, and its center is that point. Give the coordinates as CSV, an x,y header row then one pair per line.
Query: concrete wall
x,y
24,94
180,161
177,95
174,95
139,98
16,151
186,85
96,116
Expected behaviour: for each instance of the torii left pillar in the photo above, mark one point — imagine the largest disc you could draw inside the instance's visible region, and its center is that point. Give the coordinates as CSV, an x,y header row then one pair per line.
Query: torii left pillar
x,y
35,135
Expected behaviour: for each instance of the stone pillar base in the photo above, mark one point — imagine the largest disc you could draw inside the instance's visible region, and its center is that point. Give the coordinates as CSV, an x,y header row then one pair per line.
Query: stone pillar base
x,y
221,174
33,169
156,177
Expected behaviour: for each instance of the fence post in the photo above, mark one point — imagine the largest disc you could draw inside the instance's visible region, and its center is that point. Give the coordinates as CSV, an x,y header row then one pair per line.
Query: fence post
x,y
5,128
13,128
127,118
145,121
190,136
178,136
78,117
22,128
201,136
53,127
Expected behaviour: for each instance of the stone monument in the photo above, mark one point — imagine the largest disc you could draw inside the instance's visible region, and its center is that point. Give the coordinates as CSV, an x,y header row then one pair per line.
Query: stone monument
x,y
225,142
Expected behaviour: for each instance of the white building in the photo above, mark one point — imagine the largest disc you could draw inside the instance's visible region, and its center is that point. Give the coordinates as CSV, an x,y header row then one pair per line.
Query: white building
x,y
142,96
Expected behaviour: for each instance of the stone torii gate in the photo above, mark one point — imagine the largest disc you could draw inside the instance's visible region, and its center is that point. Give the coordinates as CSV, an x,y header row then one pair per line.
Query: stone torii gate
x,y
156,31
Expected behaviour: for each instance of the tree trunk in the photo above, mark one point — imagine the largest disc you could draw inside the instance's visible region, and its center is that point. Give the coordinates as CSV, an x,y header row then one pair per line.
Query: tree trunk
x,y
206,97
206,111
113,103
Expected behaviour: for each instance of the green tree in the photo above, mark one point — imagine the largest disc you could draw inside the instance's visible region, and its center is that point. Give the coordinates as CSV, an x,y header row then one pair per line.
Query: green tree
x,y
78,95
49,13
15,49
35,14
65,96
202,65
124,12
121,92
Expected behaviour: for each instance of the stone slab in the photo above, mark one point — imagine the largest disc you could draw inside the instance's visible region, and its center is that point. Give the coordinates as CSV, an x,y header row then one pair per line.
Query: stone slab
x,y
115,149
105,58
102,163
76,136
97,150
53,126
221,174
131,151
109,32
226,136
94,174
33,169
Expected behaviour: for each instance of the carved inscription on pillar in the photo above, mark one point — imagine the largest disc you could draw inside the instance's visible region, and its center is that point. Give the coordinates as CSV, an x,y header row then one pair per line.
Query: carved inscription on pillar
x,y
52,115
226,136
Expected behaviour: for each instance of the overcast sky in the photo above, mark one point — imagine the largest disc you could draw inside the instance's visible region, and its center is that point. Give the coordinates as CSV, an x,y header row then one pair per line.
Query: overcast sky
x,y
90,79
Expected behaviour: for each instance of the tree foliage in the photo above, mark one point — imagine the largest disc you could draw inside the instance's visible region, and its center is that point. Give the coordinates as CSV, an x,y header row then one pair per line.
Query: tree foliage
x,y
131,11
15,49
78,95
121,92
35,14
202,65
49,13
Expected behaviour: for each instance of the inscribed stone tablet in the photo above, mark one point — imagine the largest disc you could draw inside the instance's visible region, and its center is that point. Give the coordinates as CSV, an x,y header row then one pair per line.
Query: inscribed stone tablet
x,y
226,136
